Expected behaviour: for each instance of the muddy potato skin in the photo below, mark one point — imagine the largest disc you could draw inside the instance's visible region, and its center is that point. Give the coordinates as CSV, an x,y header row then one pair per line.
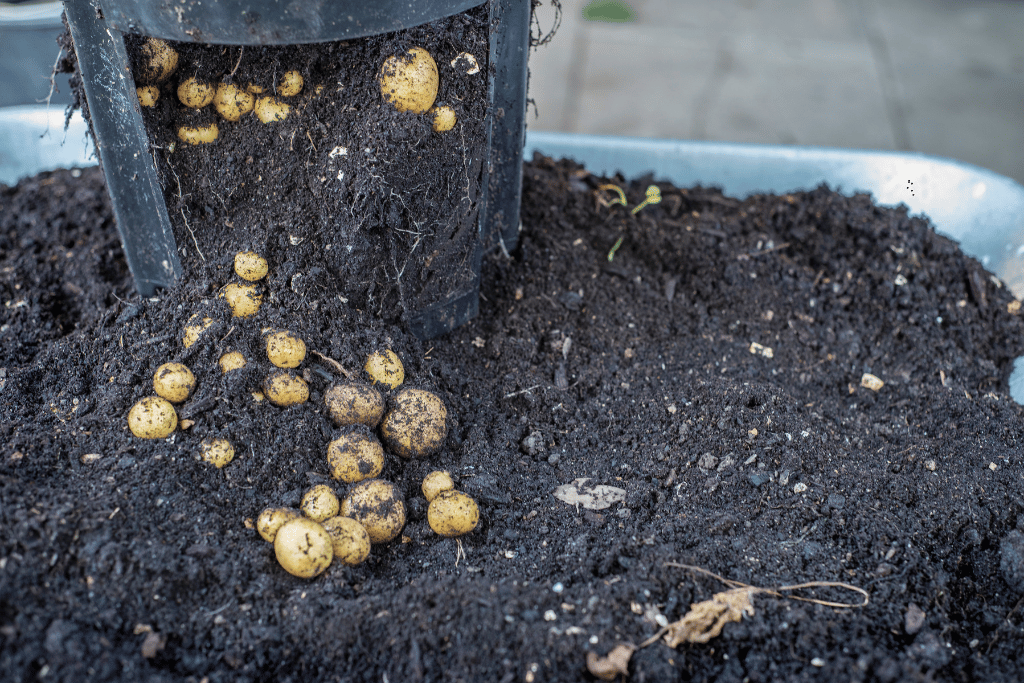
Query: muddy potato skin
x,y
198,135
174,382
409,82
196,94
231,102
194,329
416,425
351,543
351,404
436,482
272,519
377,505
148,95
354,457
152,418
285,389
232,360
444,119
271,109
250,266
290,84
384,367
244,300
453,513
303,548
217,452
285,350
161,60
320,503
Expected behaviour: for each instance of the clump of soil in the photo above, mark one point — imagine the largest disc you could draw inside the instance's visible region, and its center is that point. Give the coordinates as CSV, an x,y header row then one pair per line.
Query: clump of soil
x,y
124,559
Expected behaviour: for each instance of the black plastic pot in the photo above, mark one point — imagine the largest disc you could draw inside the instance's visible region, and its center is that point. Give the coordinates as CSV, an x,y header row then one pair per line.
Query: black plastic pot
x,y
123,147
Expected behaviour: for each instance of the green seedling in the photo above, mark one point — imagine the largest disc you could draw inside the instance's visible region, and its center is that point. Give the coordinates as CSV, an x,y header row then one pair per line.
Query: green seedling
x,y
653,197
621,199
615,247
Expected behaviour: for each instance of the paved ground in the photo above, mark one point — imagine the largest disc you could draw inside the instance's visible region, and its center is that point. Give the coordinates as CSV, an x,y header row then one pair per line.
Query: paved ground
x,y
943,77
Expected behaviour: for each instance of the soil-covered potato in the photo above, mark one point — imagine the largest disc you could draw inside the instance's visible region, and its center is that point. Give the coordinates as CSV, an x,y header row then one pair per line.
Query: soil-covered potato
x,y
250,266
152,418
196,94
303,548
194,329
285,389
378,506
453,513
232,360
285,350
436,482
232,103
351,404
271,109
409,82
244,300
217,452
148,95
174,382
160,60
320,503
198,135
444,119
350,541
416,425
354,457
290,84
272,519
384,367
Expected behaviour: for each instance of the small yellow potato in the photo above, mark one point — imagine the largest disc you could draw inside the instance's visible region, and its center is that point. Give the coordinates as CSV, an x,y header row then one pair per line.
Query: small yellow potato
x,y
385,368
231,102
217,452
320,503
250,266
196,94
254,89
416,425
409,82
436,482
377,505
354,457
290,84
272,519
351,404
453,513
194,329
148,95
160,60
174,382
444,119
303,548
198,135
350,541
244,300
271,109
152,418
285,350
232,360
285,389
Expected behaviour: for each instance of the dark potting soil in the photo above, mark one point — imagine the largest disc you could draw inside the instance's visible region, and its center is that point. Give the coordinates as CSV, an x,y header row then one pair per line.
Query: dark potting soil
x,y
125,559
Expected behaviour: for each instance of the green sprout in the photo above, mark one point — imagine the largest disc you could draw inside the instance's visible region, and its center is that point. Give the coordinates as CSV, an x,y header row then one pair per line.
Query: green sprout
x,y
615,247
618,190
653,197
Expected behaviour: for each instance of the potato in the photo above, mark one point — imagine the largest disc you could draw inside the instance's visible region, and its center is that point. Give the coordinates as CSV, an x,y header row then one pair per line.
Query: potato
x,y
303,548
198,135
416,425
377,505
250,266
385,368
272,519
290,84
160,60
217,452
409,82
244,300
436,482
194,329
148,95
354,457
152,418
174,382
453,513
319,503
271,109
196,94
254,89
232,360
351,404
285,389
231,102
444,119
350,541
285,350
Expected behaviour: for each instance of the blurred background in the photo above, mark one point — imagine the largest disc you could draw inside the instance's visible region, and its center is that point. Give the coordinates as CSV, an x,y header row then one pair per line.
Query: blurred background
x,y
943,77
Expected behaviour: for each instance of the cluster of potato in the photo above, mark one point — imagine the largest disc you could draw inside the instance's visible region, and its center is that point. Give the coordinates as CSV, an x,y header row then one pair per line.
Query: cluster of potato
x,y
231,102
410,82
